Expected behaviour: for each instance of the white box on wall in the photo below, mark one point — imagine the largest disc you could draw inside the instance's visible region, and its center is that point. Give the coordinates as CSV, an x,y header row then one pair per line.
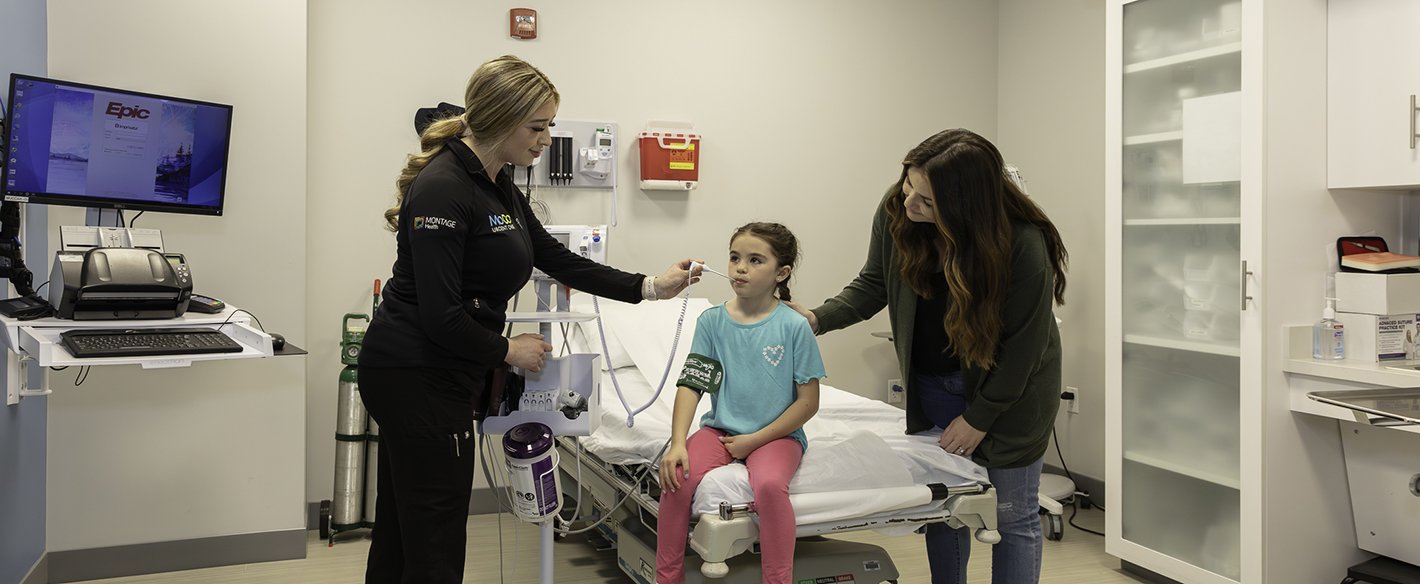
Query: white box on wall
x,y
1371,337
1378,293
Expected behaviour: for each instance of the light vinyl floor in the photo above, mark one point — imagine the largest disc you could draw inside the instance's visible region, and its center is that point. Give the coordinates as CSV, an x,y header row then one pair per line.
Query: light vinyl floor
x,y
1079,558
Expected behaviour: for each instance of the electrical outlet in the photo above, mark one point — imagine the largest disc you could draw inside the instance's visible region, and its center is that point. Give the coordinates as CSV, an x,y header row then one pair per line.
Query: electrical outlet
x,y
895,391
1073,405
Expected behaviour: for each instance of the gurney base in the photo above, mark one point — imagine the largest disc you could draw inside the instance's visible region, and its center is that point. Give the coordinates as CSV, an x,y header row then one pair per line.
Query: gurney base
x,y
814,558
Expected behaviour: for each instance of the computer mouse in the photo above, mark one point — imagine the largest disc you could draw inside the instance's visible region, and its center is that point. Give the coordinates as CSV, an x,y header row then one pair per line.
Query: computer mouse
x,y
278,342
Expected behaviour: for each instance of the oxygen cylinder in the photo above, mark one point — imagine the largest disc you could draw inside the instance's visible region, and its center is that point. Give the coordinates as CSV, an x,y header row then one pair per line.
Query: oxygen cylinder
x,y
349,497
532,471
372,469
372,442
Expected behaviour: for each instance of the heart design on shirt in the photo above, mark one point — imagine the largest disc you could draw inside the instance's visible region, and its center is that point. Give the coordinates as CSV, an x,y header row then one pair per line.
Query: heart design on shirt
x,y
774,355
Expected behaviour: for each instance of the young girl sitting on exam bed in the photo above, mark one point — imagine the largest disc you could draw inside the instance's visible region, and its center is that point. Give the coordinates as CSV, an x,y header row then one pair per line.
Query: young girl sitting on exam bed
x,y
759,362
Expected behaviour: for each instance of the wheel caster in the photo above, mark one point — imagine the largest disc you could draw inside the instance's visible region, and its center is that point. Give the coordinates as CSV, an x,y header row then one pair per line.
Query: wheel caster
x,y
324,520
715,569
1054,527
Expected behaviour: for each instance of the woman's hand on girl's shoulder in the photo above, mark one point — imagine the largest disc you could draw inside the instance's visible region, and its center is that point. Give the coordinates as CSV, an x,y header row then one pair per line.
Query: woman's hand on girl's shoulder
x,y
807,314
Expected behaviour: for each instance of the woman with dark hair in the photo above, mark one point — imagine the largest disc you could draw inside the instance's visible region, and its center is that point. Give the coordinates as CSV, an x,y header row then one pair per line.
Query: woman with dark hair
x,y
969,269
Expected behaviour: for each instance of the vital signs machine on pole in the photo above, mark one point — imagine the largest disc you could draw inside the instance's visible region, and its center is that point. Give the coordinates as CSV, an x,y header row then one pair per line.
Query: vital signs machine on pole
x,y
531,409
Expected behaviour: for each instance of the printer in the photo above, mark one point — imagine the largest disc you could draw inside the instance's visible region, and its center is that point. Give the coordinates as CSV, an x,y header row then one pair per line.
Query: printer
x,y
119,283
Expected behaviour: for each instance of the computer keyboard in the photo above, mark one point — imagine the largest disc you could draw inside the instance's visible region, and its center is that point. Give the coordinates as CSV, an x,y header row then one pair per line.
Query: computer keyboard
x,y
147,341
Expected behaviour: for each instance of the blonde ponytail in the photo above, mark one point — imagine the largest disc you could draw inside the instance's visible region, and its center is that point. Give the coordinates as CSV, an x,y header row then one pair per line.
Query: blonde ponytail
x,y
501,94
431,142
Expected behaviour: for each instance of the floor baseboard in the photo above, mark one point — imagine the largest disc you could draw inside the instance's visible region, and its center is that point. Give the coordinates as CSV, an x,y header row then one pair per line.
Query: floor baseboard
x,y
480,502
39,573
171,556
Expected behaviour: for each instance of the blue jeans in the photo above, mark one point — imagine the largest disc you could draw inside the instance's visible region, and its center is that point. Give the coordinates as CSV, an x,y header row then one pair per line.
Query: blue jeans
x,y
1016,560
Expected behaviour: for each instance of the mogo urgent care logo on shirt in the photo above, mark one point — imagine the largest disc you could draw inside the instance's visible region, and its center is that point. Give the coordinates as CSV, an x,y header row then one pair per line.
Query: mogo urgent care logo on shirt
x,y
500,222
433,223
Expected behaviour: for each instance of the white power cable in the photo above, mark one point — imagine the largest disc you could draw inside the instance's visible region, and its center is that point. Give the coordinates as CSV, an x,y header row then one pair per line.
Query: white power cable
x,y
630,421
601,331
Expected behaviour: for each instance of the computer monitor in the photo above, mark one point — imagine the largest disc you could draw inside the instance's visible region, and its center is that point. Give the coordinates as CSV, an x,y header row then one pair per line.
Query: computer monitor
x,y
74,144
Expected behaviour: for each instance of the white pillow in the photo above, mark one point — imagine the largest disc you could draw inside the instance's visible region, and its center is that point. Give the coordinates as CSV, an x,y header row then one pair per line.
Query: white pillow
x,y
584,337
639,334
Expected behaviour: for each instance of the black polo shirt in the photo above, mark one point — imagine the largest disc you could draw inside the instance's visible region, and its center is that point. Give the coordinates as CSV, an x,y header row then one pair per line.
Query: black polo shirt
x,y
465,246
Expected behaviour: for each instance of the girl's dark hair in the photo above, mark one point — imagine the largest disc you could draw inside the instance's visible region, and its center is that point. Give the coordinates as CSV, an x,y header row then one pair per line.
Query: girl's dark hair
x,y
976,206
781,241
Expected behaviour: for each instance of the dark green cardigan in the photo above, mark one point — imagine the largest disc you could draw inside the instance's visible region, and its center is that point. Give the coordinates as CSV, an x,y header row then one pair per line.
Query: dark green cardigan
x,y
1016,401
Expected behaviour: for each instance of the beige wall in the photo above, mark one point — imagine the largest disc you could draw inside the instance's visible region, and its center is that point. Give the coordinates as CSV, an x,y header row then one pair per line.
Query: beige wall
x,y
806,111
138,456
1303,467
1052,126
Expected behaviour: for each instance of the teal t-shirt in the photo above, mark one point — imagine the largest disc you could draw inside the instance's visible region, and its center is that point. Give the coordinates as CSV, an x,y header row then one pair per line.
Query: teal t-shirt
x,y
751,371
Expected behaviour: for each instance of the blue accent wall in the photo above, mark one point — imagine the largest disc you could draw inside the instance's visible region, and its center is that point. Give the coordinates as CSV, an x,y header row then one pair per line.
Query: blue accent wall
x,y
22,427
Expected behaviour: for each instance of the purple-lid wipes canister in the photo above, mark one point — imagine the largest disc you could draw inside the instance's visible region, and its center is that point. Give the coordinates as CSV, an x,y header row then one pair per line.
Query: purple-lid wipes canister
x,y
532,471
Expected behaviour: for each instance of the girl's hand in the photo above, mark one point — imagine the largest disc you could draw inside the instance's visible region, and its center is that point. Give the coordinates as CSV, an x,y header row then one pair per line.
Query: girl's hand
x,y
675,466
740,446
527,351
808,314
676,278
960,438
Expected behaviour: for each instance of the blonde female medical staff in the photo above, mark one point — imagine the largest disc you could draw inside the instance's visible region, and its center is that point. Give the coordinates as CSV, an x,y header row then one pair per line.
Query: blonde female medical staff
x,y
467,241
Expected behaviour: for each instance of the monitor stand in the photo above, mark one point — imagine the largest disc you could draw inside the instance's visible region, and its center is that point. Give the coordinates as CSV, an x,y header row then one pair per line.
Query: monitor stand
x,y
101,217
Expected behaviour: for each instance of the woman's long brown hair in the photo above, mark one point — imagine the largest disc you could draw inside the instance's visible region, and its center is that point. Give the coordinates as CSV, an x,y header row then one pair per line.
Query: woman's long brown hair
x,y
975,207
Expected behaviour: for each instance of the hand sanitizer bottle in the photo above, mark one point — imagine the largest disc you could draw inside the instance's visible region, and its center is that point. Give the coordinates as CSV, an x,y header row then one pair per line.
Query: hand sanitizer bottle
x,y
1328,335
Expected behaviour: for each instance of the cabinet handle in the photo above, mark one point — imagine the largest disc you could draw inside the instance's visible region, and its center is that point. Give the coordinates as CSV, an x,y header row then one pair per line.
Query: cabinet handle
x,y
1243,273
1413,109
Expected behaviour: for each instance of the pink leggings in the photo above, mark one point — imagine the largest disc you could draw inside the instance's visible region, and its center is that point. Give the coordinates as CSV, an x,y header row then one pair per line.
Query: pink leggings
x,y
770,468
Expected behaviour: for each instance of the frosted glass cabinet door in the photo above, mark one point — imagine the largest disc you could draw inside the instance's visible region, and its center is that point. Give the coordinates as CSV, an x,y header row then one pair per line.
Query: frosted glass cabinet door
x,y
1179,197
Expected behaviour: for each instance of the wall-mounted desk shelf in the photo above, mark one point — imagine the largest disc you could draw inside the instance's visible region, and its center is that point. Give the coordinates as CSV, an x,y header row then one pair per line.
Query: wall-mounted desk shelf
x,y
1346,374
37,342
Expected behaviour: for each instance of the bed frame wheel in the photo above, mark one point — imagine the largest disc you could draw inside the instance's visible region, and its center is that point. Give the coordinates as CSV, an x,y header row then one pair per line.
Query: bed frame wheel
x,y
715,569
988,536
1055,528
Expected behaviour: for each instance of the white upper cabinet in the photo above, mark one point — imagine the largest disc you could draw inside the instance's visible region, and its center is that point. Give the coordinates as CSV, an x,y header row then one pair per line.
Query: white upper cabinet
x,y
1373,80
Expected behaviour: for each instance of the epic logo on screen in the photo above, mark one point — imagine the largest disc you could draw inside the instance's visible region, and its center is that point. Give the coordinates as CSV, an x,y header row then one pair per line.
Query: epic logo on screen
x,y
121,111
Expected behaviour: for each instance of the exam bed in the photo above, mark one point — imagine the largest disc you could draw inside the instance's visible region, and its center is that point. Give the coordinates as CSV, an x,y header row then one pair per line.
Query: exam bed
x,y
860,470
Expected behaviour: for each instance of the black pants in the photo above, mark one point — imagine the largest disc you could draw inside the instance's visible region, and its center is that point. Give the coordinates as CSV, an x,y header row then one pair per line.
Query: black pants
x,y
426,461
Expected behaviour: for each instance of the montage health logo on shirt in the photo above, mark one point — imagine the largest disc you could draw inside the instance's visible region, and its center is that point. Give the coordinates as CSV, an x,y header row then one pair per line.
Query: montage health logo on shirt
x,y
434,223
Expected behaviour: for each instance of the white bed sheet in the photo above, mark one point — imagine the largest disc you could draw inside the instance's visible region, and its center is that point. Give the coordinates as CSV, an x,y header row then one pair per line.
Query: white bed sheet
x,y
855,443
